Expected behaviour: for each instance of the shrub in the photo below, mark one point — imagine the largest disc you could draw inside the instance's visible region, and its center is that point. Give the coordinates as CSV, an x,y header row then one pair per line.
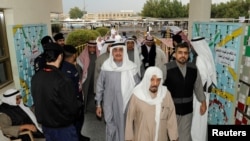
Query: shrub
x,y
102,30
96,33
81,36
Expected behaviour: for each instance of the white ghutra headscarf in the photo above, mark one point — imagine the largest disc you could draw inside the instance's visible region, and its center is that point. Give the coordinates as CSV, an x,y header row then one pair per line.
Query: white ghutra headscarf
x,y
9,97
207,69
142,92
137,56
128,71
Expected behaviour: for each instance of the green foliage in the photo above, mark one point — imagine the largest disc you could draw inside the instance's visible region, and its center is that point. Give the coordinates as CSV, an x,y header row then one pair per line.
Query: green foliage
x,y
96,33
164,9
81,36
175,9
231,9
102,30
75,13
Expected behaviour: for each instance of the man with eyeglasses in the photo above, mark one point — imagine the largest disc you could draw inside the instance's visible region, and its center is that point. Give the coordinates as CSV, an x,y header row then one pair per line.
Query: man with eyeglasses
x,y
115,83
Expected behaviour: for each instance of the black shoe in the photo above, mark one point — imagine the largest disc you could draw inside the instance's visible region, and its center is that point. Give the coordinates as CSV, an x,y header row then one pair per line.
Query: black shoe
x,y
84,138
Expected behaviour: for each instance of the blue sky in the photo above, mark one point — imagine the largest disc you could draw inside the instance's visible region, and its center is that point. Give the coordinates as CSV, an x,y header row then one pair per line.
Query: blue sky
x,y
93,6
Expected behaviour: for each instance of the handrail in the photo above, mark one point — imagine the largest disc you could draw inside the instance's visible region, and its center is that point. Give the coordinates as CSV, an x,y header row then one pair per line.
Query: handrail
x,y
80,48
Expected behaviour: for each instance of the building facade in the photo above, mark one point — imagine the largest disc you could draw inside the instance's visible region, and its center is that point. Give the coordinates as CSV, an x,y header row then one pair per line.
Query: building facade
x,y
123,14
22,25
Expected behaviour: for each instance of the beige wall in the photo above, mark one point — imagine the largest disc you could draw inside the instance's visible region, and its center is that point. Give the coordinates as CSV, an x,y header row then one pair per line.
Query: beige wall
x,y
26,12
199,11
109,15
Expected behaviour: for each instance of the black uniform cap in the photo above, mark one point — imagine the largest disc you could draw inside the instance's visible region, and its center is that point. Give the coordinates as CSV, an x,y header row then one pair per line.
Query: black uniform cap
x,y
177,38
58,36
70,49
53,47
46,39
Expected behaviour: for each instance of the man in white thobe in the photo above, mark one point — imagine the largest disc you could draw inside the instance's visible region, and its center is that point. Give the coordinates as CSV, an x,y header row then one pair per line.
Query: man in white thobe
x,y
151,112
115,83
206,67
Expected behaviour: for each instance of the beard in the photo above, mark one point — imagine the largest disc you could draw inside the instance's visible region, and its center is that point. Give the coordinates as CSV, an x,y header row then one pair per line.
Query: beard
x,y
181,60
153,89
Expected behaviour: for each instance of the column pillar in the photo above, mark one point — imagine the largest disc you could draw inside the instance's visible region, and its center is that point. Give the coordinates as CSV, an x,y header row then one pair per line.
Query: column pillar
x,y
199,11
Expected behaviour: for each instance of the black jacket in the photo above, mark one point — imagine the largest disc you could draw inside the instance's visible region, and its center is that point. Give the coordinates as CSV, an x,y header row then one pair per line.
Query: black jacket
x,y
54,98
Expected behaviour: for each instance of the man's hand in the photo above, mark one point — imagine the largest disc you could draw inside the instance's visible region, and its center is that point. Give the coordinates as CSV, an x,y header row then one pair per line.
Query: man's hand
x,y
98,111
29,127
203,107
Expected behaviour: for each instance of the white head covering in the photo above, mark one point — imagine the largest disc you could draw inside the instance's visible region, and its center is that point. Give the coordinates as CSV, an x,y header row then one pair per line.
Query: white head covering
x,y
9,97
110,65
127,69
205,61
175,29
142,92
99,42
118,37
206,66
113,31
137,59
105,46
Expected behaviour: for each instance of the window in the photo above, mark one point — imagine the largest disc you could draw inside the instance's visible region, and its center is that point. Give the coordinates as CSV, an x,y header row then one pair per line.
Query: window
x,y
5,65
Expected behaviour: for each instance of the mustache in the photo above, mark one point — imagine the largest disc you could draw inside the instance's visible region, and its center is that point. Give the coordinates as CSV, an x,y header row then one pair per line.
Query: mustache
x,y
118,55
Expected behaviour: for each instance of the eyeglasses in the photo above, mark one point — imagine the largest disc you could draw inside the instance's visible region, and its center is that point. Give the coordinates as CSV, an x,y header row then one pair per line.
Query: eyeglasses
x,y
18,97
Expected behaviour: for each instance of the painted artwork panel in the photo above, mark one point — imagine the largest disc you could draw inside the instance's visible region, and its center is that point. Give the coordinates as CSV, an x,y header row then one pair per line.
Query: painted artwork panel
x,y
224,40
27,40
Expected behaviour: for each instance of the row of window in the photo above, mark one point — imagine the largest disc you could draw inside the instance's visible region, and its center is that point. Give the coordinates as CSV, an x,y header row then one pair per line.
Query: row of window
x,y
114,15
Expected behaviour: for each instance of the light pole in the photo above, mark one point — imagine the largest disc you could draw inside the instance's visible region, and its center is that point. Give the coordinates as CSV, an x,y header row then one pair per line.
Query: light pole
x,y
84,5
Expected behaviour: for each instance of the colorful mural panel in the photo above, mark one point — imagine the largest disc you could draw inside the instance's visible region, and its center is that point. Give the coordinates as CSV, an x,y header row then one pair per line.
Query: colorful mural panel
x,y
225,42
242,110
27,40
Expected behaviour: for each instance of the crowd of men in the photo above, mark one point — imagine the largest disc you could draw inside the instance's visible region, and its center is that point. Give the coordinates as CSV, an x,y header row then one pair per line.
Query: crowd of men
x,y
143,94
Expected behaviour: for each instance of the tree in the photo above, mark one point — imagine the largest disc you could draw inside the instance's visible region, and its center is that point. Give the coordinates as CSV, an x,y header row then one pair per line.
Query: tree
x,y
175,9
164,9
75,13
231,9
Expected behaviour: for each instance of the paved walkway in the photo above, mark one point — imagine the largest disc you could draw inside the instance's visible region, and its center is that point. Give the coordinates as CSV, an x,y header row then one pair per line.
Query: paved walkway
x,y
93,127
